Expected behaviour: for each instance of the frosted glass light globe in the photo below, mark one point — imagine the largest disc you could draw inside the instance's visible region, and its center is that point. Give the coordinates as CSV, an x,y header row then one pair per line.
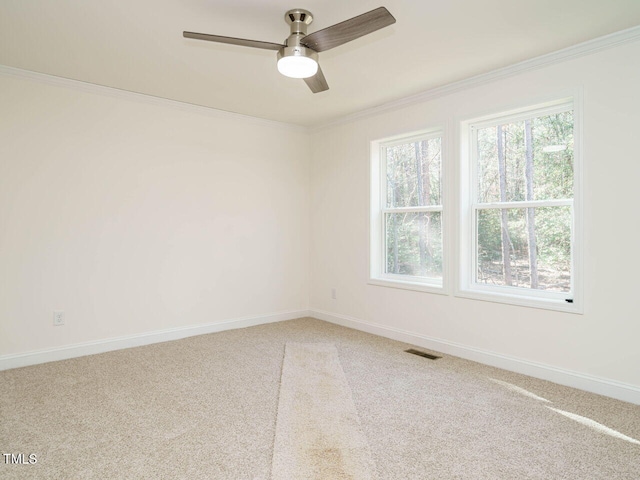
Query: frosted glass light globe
x,y
297,66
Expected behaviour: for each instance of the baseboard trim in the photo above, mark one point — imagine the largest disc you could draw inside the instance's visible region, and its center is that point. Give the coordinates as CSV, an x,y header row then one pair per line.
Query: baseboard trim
x,y
601,386
129,341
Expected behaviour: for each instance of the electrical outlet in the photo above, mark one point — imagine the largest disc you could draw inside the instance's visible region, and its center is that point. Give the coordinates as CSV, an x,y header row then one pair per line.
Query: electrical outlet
x,y
58,318
334,293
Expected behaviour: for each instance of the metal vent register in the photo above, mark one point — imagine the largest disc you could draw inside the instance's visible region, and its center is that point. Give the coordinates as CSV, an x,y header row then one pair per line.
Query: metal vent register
x,y
422,354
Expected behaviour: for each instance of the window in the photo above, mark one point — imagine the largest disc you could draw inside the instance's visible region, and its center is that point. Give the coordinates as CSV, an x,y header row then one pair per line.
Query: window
x,y
406,212
519,213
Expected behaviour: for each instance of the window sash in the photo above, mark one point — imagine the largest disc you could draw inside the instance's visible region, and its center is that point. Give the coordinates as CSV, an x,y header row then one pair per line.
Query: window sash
x,y
467,284
514,290
401,280
384,186
524,204
385,258
429,208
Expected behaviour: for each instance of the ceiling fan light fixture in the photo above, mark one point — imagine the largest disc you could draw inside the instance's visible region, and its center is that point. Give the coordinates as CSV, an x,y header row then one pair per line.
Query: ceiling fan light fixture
x,y
297,62
298,56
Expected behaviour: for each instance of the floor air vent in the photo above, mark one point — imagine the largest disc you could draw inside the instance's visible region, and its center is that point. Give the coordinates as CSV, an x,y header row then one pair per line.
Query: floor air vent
x,y
422,354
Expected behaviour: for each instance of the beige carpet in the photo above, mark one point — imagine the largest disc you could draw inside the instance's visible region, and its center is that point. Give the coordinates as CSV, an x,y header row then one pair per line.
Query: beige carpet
x,y
318,434
205,408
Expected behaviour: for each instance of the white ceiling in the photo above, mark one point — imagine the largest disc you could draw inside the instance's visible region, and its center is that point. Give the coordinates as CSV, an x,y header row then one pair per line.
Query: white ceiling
x,y
138,46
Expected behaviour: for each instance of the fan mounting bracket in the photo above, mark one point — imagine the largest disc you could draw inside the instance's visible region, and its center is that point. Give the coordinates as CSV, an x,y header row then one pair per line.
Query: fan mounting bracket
x,y
298,19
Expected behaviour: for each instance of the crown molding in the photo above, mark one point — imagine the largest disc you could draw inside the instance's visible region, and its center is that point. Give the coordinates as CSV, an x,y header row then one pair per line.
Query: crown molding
x,y
103,90
582,49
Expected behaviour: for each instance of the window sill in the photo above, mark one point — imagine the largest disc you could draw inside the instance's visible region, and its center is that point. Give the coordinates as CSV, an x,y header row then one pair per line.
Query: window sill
x,y
408,285
522,301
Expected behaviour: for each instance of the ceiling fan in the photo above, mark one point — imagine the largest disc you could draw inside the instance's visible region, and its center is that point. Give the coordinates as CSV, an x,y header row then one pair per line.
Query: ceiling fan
x,y
298,56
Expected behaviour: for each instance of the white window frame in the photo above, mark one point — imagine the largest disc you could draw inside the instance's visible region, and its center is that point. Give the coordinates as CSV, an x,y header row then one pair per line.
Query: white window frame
x,y
378,211
466,286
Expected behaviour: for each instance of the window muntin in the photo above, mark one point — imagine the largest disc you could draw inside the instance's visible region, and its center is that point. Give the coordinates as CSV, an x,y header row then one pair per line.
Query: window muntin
x,y
408,220
521,205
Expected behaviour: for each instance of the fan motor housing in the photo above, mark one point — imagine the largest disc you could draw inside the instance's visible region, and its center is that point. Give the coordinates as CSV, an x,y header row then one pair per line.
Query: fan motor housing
x,y
298,19
297,50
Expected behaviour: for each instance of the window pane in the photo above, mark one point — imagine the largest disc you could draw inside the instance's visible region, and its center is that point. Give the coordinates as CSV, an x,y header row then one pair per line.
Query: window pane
x,y
508,233
527,160
414,244
413,174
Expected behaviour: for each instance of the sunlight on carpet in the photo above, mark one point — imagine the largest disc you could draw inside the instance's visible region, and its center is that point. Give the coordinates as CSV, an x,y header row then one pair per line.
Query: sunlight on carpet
x,y
595,425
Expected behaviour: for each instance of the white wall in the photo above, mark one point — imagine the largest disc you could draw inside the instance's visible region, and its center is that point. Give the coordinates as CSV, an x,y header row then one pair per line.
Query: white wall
x,y
136,216
603,343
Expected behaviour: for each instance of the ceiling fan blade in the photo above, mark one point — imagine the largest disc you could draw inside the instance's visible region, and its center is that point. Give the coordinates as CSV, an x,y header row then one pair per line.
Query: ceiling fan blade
x,y
233,41
317,83
348,30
